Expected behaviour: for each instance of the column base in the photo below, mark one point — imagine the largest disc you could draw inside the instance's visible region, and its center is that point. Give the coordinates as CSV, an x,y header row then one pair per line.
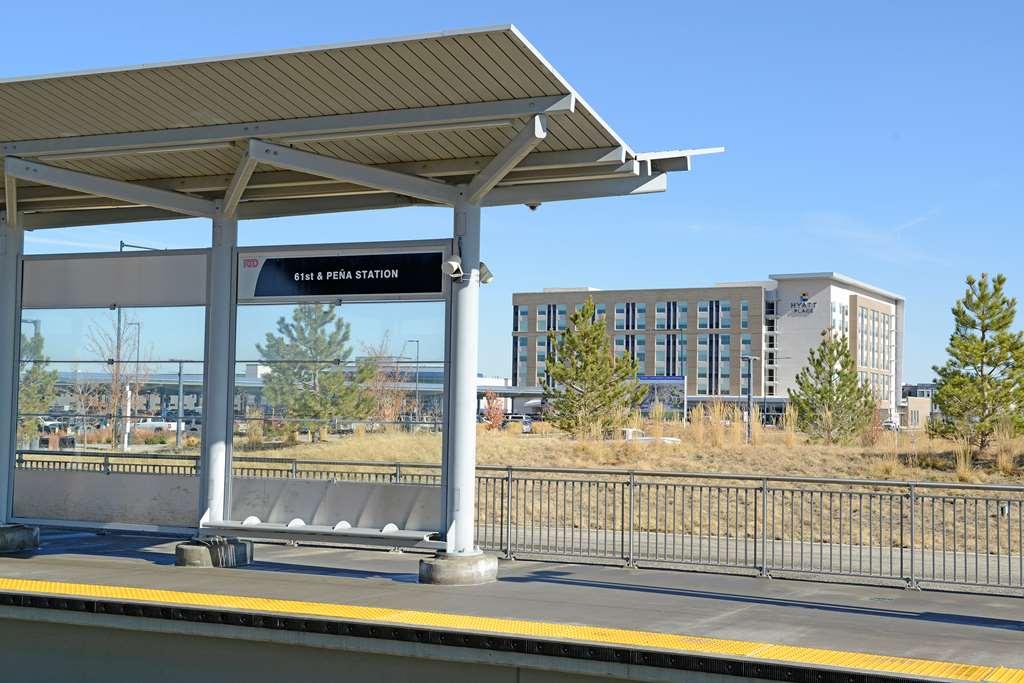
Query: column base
x,y
18,538
459,570
213,551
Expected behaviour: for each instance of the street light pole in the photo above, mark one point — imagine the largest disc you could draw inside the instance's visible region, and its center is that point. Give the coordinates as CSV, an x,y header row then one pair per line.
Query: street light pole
x,y
181,399
750,397
135,380
417,380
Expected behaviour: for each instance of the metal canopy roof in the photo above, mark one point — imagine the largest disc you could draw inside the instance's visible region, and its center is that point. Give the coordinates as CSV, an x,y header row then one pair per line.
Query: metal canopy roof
x,y
355,126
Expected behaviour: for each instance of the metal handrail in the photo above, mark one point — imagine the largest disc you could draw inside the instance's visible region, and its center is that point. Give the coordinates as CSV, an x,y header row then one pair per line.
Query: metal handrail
x,y
626,473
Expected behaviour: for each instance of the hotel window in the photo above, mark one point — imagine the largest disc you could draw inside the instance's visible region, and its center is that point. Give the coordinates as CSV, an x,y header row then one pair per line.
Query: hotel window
x,y
769,374
744,314
577,308
862,336
681,355
660,315
770,358
520,319
702,315
702,364
542,318
562,316
770,390
641,317
542,357
599,311
769,324
640,353
844,314
745,344
620,316
771,341
660,356
620,346
724,313
724,363
769,308
682,312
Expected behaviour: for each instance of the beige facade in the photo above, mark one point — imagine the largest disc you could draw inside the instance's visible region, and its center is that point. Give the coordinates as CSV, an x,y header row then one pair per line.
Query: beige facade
x,y
703,332
699,333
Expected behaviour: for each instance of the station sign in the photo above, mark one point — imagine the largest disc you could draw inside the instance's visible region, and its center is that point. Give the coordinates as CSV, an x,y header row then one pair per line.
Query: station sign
x,y
292,275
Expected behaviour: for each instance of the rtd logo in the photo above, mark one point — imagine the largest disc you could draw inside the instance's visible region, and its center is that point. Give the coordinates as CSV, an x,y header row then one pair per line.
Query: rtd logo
x,y
251,262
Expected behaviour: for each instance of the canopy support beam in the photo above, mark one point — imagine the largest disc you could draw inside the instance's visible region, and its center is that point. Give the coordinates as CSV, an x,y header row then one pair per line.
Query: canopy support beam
x,y
459,464
369,176
522,144
219,372
12,244
106,187
239,181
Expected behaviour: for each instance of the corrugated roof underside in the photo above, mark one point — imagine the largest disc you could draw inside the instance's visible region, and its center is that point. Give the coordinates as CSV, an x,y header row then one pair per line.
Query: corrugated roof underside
x,y
455,69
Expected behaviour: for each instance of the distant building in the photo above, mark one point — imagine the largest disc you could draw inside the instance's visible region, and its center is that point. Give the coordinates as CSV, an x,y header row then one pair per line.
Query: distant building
x,y
701,333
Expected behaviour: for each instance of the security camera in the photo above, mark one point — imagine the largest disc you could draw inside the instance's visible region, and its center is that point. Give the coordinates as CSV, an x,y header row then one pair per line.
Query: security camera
x,y
534,206
452,267
485,274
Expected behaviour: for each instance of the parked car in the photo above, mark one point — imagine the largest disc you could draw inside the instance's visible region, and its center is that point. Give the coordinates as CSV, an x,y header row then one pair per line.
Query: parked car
x,y
49,425
155,424
891,426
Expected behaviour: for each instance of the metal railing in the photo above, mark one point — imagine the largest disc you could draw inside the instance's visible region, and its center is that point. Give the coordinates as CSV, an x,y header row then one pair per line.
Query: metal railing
x,y
915,532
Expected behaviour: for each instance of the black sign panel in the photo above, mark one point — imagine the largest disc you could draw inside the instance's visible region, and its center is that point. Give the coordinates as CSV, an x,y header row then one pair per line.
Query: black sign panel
x,y
329,276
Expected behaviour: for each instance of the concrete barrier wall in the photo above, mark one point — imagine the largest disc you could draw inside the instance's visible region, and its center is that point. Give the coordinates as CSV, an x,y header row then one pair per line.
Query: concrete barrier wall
x,y
171,500
158,499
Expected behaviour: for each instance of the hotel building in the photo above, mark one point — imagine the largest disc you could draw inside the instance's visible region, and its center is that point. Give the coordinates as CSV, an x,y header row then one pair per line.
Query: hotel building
x,y
703,333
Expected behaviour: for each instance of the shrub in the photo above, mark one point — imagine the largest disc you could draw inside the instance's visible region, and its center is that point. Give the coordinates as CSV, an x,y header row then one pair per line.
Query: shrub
x,y
698,424
789,420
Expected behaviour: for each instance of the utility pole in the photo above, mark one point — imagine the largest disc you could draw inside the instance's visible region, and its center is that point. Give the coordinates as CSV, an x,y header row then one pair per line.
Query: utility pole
x,y
417,385
135,380
122,246
750,397
181,400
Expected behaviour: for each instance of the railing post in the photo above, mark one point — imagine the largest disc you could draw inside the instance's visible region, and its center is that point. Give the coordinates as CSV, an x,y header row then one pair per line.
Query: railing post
x,y
765,572
398,473
508,515
912,583
630,559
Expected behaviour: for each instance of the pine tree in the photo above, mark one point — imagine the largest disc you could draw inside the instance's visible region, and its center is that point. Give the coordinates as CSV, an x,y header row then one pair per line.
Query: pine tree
x,y
593,391
831,403
982,383
314,382
36,382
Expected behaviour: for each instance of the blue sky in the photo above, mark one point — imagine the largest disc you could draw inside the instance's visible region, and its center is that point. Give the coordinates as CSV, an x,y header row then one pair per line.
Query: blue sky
x,y
882,140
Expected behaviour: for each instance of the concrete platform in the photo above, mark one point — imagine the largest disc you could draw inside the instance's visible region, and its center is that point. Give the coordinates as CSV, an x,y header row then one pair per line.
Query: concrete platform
x,y
800,623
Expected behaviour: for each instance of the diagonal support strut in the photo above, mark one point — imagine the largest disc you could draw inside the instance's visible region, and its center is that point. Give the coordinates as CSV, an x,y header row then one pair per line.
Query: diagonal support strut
x,y
522,144
106,187
369,176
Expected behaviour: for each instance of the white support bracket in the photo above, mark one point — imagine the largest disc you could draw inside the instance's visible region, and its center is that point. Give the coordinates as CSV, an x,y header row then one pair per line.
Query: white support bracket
x,y
522,144
233,195
107,187
368,176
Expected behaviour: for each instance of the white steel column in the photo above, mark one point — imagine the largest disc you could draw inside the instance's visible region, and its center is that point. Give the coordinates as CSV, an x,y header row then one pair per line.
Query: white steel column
x,y
463,404
12,241
219,371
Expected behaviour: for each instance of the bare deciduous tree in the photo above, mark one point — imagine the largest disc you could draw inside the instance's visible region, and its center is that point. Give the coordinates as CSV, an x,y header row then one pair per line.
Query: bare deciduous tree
x,y
386,384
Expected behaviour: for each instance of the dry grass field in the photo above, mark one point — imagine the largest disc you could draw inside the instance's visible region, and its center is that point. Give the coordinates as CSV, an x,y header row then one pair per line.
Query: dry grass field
x,y
894,456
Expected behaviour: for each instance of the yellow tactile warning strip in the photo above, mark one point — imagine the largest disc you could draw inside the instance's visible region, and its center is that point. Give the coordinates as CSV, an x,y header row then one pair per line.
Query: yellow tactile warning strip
x,y
786,654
